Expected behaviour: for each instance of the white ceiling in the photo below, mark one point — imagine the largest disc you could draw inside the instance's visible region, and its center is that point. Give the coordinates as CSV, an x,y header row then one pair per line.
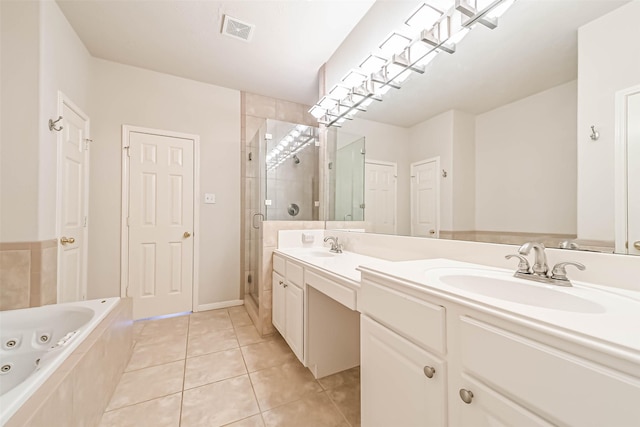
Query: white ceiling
x,y
291,41
533,48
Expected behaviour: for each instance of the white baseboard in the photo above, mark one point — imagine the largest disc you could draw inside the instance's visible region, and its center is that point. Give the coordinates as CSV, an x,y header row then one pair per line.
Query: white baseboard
x,y
217,305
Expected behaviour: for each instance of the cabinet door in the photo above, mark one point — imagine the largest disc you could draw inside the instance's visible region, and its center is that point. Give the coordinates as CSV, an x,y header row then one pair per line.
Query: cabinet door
x,y
396,390
294,319
278,308
488,408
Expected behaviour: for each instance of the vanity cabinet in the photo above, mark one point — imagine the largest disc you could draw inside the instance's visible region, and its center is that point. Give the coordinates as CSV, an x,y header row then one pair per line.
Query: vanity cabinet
x,y
288,303
562,387
401,383
491,368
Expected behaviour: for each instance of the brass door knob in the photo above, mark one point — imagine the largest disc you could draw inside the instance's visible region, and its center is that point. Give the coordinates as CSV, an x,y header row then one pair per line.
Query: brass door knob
x,y
637,245
186,235
65,240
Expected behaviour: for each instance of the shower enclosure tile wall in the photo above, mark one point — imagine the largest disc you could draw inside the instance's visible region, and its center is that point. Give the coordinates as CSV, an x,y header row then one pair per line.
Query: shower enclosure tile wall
x,y
256,289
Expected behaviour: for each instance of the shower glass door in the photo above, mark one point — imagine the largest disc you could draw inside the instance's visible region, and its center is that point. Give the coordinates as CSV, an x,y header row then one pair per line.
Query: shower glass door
x,y
254,193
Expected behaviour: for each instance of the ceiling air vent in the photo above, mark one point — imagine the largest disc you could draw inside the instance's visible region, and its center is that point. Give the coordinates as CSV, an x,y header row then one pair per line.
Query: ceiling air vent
x,y
237,29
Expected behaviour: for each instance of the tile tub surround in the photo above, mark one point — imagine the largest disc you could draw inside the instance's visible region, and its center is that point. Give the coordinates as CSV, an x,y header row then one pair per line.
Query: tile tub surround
x,y
225,374
79,391
28,274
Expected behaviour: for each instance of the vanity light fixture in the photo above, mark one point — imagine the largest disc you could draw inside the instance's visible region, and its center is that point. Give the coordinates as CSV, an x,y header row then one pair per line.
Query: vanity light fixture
x,y
296,140
427,32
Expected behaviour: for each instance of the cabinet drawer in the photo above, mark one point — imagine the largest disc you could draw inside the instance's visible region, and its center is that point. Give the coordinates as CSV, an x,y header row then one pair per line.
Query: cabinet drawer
x,y
488,406
278,264
294,273
420,321
561,387
338,292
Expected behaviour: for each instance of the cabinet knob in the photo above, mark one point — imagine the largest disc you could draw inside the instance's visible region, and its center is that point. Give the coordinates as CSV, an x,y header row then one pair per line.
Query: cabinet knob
x,y
285,285
281,283
637,245
466,395
429,371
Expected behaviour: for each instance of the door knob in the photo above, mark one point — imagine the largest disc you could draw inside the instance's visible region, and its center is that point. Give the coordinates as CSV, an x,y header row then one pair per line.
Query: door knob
x,y
65,240
432,232
637,245
186,235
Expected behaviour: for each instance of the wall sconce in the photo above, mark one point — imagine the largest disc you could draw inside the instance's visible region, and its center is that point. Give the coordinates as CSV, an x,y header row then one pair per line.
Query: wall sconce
x,y
595,135
426,33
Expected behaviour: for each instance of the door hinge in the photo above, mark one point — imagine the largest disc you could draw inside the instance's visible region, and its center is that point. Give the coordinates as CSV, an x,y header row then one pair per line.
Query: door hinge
x,y
127,221
126,292
128,151
86,143
85,222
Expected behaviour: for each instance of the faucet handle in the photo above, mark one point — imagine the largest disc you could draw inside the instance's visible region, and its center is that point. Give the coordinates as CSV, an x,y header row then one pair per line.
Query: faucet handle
x,y
559,271
523,265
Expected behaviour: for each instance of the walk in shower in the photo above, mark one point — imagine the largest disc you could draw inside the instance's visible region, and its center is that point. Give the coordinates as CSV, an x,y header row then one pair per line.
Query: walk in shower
x,y
281,184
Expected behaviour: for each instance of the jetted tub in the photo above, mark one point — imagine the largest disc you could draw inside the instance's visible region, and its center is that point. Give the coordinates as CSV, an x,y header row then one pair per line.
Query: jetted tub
x,y
35,341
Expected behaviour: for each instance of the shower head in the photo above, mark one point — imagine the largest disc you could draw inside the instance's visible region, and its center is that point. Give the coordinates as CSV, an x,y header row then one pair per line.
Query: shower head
x,y
296,159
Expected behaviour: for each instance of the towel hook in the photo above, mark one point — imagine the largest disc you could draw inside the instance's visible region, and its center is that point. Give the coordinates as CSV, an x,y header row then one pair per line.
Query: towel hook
x,y
595,135
52,124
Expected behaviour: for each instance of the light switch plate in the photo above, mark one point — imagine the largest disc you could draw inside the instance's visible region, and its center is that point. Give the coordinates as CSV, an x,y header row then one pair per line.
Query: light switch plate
x,y
209,198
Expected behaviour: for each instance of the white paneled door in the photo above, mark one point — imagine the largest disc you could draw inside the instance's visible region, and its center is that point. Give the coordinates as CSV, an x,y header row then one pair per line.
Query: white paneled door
x,y
633,173
425,198
160,222
380,196
73,161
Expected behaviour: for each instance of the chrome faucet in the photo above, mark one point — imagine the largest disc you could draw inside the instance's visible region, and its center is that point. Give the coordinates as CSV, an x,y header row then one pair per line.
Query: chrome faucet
x,y
540,269
335,246
540,266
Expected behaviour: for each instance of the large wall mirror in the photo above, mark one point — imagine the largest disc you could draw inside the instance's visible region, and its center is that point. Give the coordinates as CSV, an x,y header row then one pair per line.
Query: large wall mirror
x,y
524,133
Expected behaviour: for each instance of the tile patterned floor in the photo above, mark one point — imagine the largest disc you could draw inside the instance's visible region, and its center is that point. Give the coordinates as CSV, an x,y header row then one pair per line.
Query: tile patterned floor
x,y
213,369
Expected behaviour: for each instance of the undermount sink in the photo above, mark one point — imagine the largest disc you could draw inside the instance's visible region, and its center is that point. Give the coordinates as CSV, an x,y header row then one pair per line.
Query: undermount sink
x,y
502,285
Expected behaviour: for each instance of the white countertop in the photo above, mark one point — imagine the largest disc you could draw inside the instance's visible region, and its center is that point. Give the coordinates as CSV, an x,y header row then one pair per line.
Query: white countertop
x,y
618,324
344,264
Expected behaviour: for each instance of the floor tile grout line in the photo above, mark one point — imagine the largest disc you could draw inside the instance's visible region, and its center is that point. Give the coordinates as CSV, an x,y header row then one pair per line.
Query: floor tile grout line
x,y
184,372
142,401
335,405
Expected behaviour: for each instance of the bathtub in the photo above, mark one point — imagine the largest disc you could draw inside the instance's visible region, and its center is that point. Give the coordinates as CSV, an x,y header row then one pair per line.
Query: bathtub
x,y
34,342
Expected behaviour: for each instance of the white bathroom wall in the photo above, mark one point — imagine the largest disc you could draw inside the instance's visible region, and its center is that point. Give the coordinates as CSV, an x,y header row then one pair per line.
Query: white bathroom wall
x,y
19,38
127,95
432,138
463,172
388,143
526,164
64,66
608,61
41,54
